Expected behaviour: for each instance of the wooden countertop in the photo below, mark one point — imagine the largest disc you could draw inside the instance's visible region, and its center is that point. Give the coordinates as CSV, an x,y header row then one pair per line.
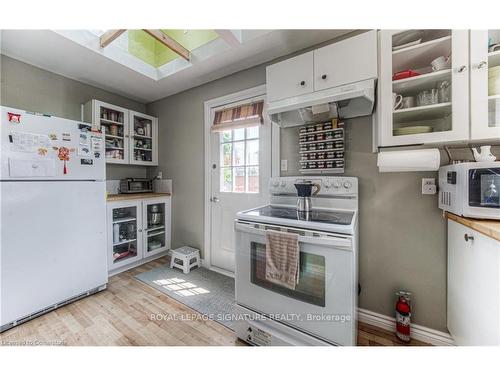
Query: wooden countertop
x,y
126,197
490,228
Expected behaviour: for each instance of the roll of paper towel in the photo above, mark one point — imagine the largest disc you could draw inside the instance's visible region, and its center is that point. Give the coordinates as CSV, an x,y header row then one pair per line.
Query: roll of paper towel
x,y
409,160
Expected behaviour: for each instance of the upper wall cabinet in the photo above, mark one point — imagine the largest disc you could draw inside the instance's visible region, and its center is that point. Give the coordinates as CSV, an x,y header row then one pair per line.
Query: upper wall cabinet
x,y
347,61
485,84
131,137
423,87
292,77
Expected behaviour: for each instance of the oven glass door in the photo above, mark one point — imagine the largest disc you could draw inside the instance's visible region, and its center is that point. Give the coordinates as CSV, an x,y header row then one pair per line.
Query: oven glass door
x,y
323,302
312,276
484,187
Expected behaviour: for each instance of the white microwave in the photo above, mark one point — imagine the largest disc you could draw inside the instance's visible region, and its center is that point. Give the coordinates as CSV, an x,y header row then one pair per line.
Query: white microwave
x,y
471,189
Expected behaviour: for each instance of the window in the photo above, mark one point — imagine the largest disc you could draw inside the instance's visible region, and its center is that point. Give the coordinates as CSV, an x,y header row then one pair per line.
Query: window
x,y
239,160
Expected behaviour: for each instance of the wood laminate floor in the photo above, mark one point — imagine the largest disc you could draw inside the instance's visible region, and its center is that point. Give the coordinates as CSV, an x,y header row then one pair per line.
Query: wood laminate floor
x,y
121,315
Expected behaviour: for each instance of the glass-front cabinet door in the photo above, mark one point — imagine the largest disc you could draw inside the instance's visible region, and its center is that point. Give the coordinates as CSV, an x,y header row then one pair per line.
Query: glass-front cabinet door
x,y
423,87
124,233
113,122
143,139
156,223
485,84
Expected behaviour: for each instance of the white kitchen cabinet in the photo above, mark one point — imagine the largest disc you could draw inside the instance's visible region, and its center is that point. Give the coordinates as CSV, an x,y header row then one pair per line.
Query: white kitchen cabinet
x,y
156,230
350,60
473,286
130,137
484,101
125,244
143,139
289,78
436,119
134,235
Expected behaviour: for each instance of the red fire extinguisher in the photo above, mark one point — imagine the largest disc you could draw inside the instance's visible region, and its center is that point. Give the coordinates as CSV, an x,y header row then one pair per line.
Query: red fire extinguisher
x,y
403,315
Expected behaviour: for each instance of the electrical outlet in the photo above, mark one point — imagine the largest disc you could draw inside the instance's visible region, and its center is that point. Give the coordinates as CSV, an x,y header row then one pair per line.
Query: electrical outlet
x,y
429,186
284,165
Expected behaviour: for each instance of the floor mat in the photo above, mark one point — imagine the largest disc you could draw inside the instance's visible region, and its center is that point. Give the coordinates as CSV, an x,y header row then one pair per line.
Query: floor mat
x,y
209,293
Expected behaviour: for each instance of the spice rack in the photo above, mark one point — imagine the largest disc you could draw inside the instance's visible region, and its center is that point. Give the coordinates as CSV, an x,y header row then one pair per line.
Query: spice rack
x,y
321,148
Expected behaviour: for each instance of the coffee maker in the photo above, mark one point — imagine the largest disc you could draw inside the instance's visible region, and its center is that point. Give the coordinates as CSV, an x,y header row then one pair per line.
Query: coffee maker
x,y
304,192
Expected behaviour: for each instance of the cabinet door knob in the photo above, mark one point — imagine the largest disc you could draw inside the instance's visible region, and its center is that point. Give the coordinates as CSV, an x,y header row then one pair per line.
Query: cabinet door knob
x,y
302,83
462,69
323,76
467,237
482,64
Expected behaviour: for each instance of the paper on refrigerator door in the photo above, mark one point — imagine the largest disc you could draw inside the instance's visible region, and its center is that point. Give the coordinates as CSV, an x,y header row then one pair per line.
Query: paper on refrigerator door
x,y
32,167
29,142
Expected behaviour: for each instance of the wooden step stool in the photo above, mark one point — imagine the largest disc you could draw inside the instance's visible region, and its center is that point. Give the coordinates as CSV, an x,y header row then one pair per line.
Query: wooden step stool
x,y
185,254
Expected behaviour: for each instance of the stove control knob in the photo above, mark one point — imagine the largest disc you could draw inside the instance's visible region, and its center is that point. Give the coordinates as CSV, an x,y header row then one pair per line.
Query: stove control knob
x,y
327,184
283,183
347,185
336,185
276,183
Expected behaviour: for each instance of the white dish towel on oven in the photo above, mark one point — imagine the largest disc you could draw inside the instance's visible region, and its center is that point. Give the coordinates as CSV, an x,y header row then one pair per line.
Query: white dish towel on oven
x,y
282,258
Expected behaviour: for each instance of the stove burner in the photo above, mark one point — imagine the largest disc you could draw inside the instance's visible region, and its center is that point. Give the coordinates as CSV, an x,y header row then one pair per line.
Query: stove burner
x,y
318,216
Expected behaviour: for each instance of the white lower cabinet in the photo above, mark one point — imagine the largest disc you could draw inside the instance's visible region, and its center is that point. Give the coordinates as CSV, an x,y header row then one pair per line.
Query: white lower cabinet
x,y
137,229
473,286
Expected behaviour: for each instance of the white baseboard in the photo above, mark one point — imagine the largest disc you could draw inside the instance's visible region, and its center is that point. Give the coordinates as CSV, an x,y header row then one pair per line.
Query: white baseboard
x,y
418,332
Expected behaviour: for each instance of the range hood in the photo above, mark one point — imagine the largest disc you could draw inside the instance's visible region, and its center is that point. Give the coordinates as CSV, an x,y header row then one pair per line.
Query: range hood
x,y
347,101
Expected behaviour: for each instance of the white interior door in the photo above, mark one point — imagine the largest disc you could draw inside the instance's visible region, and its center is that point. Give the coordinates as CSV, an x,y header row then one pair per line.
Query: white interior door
x,y
241,168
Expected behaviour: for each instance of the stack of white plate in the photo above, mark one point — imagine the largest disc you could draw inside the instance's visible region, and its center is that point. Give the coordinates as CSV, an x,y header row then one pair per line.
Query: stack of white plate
x,y
408,130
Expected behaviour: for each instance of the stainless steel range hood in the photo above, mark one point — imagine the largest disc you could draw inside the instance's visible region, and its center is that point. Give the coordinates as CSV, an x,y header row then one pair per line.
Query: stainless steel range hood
x,y
347,101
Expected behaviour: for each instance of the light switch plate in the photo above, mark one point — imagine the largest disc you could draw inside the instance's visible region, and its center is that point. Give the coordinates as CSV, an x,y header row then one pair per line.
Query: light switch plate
x,y
429,186
284,165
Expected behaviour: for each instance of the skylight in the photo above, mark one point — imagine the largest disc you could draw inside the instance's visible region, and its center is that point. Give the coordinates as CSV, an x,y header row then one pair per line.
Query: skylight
x,y
156,53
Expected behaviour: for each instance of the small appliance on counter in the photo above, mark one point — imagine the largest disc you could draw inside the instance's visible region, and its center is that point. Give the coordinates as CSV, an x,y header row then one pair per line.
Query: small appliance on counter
x,y
136,185
471,189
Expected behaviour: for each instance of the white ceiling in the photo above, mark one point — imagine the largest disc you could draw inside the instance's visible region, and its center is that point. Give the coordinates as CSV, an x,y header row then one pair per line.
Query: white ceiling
x,y
54,52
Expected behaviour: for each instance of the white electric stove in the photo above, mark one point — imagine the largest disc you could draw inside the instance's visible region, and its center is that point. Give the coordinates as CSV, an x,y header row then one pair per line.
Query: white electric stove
x,y
321,310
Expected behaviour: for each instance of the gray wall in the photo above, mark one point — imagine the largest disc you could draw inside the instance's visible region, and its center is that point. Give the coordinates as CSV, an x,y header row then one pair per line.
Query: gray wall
x,y
27,87
402,234
403,243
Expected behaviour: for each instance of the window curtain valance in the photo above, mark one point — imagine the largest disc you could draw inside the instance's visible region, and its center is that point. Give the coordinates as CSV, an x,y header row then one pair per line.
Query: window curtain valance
x,y
243,116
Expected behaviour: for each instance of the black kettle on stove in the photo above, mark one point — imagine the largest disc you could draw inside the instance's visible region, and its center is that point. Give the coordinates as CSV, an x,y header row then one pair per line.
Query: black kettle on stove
x,y
304,193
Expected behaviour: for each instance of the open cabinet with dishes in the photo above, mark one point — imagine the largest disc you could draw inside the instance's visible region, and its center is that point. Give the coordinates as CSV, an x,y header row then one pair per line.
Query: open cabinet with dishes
x,y
137,230
423,87
130,137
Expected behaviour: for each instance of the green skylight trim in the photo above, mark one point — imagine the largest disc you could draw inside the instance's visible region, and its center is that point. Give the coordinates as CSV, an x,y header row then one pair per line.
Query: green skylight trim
x,y
148,49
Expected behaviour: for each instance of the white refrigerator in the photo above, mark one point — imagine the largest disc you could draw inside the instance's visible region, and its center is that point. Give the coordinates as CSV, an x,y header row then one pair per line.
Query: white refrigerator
x,y
53,214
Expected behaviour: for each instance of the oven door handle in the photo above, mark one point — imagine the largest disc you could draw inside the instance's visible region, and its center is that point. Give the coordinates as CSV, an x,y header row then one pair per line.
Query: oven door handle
x,y
330,240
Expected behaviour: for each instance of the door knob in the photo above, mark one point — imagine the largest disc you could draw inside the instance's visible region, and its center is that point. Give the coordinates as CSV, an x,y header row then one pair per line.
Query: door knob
x,y
214,199
467,237
462,69
302,83
323,76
